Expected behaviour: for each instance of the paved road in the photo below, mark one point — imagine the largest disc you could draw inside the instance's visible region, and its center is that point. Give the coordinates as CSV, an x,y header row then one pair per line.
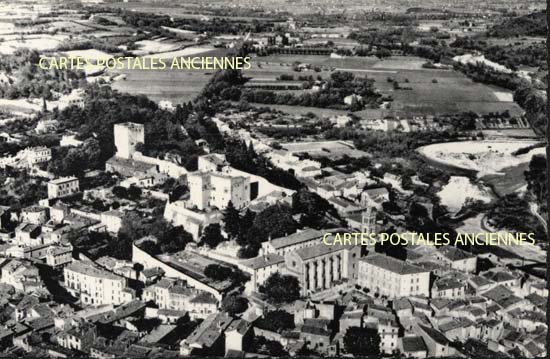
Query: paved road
x,y
535,210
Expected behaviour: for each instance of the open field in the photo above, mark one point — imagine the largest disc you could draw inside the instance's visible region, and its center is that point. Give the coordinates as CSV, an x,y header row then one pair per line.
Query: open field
x,y
329,149
35,42
173,85
303,110
153,46
422,91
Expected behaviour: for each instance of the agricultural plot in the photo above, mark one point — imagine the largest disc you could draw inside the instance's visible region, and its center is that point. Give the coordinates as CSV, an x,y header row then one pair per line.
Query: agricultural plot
x,y
34,42
421,91
146,47
172,85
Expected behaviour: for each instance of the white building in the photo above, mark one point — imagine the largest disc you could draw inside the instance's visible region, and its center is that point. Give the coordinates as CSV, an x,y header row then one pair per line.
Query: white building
x,y
192,220
392,277
63,186
70,141
305,238
173,294
217,190
95,286
127,136
37,155
261,268
58,255
22,275
322,267
457,259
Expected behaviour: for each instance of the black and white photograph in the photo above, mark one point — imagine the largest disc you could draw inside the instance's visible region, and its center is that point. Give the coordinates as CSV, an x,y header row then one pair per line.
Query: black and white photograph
x,y
274,179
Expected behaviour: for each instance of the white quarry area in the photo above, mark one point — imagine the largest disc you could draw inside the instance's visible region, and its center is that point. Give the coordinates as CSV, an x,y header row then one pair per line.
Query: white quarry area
x,y
485,157
459,189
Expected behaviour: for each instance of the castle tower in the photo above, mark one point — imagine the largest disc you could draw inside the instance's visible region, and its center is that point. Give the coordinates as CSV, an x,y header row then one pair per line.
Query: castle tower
x,y
127,136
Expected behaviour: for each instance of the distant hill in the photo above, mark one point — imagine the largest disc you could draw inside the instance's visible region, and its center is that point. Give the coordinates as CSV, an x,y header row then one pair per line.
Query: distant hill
x,y
528,25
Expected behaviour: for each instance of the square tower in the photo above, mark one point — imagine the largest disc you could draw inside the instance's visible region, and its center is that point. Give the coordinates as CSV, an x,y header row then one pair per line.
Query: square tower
x,y
127,136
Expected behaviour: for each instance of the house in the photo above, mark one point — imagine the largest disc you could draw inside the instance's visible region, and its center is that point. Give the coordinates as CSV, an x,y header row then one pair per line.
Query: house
x,y
62,187
37,215
238,336
150,275
262,267
317,335
208,338
22,275
95,286
413,347
27,234
438,345
480,284
374,197
502,277
174,294
448,288
457,259
59,255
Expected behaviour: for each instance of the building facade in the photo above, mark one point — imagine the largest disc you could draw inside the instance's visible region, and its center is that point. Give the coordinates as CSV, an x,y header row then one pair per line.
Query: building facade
x,y
392,277
95,286
217,190
64,186
322,267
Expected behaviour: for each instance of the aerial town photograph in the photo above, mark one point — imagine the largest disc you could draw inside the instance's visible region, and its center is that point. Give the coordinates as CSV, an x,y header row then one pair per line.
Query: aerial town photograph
x,y
273,178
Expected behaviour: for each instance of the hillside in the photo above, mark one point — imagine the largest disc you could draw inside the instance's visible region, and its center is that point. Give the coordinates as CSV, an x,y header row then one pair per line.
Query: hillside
x,y
529,25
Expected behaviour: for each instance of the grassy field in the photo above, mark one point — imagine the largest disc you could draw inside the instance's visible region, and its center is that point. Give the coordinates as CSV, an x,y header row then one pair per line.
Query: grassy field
x,y
512,179
423,91
173,85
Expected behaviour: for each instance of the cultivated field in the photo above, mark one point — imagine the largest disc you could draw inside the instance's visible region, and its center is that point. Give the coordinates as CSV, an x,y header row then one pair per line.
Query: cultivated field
x,y
12,43
422,91
173,85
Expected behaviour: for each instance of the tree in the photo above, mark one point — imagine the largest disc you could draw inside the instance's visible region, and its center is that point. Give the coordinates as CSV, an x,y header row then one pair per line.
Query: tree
x,y
134,193
170,239
274,221
362,341
234,304
276,321
398,251
317,212
272,348
212,235
120,191
231,220
281,288
217,272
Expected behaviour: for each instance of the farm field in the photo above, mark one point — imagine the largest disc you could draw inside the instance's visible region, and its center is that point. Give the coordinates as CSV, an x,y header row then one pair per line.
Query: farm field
x,y
422,91
172,85
146,47
12,43
303,110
